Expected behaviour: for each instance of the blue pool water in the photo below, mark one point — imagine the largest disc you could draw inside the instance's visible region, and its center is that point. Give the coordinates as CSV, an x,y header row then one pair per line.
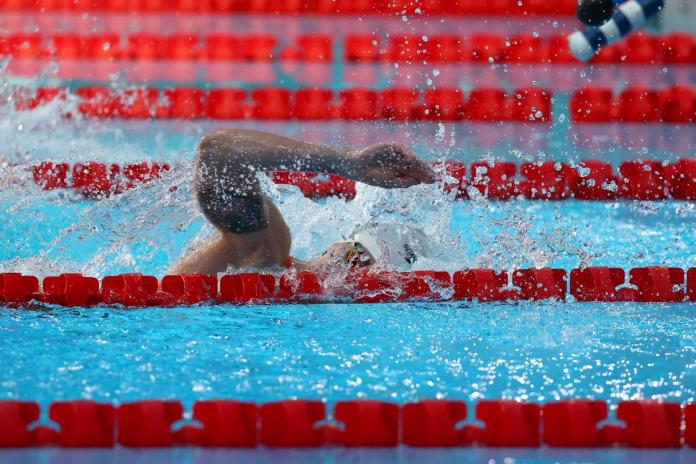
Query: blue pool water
x,y
537,352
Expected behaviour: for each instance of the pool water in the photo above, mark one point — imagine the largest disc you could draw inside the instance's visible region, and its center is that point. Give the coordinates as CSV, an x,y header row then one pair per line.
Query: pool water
x,y
529,351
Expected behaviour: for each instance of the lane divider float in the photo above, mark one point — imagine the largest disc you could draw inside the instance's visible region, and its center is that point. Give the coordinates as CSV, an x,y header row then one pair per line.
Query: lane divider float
x,y
396,8
675,104
644,284
647,180
486,48
525,105
354,423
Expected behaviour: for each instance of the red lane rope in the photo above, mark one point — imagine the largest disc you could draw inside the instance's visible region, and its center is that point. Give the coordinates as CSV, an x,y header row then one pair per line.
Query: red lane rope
x,y
645,284
364,423
294,7
677,48
676,104
543,180
525,105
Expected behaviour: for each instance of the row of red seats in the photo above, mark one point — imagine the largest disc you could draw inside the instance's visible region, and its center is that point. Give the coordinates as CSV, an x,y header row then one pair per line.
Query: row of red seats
x,y
675,48
385,7
530,104
523,48
635,104
357,423
647,284
547,180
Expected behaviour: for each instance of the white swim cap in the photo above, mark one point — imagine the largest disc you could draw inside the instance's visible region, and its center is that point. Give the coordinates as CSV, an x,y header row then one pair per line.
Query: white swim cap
x,y
395,246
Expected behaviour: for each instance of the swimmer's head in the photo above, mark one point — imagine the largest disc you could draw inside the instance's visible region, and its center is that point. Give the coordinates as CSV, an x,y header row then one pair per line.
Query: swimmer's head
x,y
394,246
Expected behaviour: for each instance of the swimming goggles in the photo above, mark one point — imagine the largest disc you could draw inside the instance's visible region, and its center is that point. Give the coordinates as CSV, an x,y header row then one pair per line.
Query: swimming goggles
x,y
357,256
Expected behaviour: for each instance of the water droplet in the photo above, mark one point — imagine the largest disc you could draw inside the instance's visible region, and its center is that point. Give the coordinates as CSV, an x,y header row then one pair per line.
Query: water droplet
x,y
491,60
436,72
561,118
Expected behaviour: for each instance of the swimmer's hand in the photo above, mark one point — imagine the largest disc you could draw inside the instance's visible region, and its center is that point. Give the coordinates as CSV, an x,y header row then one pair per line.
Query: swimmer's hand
x,y
390,165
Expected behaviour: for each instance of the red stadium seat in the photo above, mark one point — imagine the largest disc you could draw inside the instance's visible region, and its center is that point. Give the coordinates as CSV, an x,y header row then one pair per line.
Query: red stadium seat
x,y
679,48
433,423
596,284
226,103
681,179
186,102
368,423
398,104
291,423
481,285
16,288
258,47
642,180
487,104
148,423
487,48
444,105
531,104
181,47
71,290
315,48
541,284
313,104
547,180
592,104
243,288
637,104
677,104
408,49
651,424
595,181
509,423
495,180
129,289
102,46
146,46
573,424
363,48
359,104
15,416
271,103
227,423
67,46
222,47
524,49
84,424
190,288
657,284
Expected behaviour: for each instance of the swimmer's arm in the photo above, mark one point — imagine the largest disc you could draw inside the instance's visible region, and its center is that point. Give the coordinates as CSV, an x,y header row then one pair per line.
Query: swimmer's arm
x,y
384,165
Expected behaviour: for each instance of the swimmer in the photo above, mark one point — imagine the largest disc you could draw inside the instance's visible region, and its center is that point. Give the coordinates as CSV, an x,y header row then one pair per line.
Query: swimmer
x,y
251,230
